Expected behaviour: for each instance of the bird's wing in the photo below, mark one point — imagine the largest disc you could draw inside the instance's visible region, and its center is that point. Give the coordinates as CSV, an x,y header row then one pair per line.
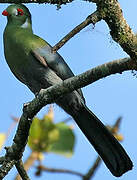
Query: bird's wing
x,y
53,60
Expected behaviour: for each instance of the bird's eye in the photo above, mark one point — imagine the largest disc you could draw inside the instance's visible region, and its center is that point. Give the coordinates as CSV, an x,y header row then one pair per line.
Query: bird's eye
x,y
20,12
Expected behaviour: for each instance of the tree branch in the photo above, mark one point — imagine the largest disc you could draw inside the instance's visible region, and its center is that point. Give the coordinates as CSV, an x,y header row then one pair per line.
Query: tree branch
x,y
55,170
2,159
119,29
57,2
22,172
92,170
6,167
93,18
29,162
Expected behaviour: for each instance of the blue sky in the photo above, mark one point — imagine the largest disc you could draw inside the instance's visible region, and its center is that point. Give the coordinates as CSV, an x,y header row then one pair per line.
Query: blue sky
x,y
108,98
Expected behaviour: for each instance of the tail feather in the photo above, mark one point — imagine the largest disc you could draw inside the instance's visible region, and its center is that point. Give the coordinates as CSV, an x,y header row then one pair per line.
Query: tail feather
x,y
109,149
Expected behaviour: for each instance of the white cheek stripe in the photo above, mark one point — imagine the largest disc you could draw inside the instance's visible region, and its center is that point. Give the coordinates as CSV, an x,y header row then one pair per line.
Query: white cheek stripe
x,y
25,25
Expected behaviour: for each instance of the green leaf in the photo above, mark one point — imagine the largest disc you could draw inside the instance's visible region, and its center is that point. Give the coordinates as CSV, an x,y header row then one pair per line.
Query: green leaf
x,y
65,143
34,135
40,134
46,136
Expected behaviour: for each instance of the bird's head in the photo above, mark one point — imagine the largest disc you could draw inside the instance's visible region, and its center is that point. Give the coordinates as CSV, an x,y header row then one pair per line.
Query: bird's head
x,y
17,14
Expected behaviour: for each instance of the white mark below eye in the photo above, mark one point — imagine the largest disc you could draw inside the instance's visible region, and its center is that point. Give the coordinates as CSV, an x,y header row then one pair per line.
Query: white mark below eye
x,y
25,24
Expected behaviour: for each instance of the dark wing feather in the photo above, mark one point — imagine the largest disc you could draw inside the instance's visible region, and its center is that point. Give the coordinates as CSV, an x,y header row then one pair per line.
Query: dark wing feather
x,y
53,60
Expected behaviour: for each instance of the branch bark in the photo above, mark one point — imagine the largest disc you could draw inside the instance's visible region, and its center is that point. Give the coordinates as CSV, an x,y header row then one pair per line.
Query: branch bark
x,y
20,167
28,163
119,29
57,2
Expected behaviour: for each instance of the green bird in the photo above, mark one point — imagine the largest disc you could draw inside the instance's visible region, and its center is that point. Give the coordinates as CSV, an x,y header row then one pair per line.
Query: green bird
x,y
31,60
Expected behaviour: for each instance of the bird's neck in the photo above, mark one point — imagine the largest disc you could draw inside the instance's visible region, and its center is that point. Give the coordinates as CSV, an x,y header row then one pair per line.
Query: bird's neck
x,y
26,25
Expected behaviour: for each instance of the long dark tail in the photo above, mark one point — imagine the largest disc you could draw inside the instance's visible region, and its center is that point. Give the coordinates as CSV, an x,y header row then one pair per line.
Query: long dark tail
x,y
109,149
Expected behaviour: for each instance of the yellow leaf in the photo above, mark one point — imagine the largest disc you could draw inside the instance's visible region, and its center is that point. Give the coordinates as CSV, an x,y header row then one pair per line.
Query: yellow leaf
x,y
50,114
119,137
40,156
2,139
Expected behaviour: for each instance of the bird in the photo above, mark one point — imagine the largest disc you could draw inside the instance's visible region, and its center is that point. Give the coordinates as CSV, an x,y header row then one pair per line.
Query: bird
x,y
31,60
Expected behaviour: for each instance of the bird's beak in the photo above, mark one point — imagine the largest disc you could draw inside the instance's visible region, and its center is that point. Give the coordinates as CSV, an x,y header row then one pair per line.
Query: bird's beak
x,y
5,13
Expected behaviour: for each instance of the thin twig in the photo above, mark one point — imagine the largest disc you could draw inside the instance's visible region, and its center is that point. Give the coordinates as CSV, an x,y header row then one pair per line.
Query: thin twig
x,y
93,18
55,170
93,169
67,120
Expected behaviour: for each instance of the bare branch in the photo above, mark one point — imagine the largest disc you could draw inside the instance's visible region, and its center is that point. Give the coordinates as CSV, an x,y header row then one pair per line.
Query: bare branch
x,y
29,162
92,170
20,167
2,159
55,170
6,167
93,18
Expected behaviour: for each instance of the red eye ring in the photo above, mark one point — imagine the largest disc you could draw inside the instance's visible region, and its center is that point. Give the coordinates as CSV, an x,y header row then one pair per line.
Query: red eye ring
x,y
20,11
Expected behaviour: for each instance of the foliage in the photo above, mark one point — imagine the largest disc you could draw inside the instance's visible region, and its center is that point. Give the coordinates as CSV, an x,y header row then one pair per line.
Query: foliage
x,y
46,136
